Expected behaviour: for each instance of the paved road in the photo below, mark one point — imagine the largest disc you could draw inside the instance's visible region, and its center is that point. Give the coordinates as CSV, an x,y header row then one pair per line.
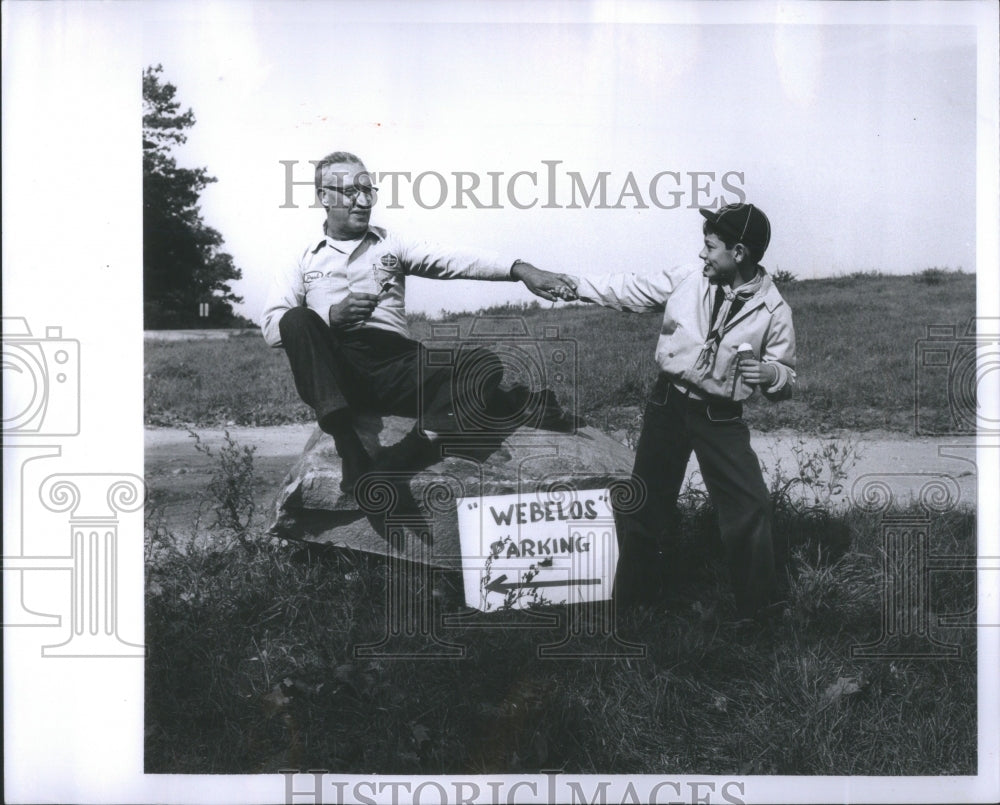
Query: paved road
x,y
177,474
195,335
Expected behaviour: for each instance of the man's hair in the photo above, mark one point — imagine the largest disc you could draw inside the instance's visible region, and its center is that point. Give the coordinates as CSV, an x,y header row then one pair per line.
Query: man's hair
x,y
335,158
708,228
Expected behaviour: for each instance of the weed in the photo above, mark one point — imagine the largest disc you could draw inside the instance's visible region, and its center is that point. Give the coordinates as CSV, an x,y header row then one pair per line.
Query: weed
x,y
522,596
819,474
231,487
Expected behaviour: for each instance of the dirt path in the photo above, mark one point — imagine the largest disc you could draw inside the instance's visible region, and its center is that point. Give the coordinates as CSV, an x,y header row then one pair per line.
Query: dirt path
x,y
177,475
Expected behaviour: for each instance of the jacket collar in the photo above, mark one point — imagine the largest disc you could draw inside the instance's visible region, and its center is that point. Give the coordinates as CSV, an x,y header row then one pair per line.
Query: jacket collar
x,y
770,293
767,295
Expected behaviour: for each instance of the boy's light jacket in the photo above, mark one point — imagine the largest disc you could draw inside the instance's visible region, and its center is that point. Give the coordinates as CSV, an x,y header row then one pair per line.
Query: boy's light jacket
x,y
686,296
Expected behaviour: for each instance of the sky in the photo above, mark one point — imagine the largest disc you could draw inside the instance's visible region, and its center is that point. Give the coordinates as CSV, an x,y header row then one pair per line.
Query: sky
x,y
856,137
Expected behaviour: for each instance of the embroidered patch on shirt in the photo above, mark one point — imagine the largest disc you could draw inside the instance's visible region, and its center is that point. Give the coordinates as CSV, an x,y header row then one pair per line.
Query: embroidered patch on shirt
x,y
389,261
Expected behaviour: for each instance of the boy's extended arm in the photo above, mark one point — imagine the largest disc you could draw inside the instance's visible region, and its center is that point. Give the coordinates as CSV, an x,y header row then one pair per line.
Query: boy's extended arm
x,y
636,293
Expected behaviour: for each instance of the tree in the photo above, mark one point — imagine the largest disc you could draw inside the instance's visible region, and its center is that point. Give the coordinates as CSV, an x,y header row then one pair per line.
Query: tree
x,y
183,265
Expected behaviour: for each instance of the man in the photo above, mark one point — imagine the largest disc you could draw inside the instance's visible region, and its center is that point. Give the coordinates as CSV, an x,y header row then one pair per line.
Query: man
x,y
696,403
339,313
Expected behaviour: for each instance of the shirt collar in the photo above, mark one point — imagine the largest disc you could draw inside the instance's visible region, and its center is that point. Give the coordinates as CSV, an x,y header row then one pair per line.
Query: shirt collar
x,y
373,232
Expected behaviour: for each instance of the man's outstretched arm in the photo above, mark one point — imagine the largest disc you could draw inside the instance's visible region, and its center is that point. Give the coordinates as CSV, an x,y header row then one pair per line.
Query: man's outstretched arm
x,y
545,284
425,259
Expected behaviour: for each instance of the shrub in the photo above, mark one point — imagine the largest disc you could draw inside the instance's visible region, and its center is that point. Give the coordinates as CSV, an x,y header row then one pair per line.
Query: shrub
x,y
932,276
783,277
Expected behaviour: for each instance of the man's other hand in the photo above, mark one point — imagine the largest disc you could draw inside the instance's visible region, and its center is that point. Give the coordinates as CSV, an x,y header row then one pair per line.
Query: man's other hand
x,y
545,284
756,373
353,309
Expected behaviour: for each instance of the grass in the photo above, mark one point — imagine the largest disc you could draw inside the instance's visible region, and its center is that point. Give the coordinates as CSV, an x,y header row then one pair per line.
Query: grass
x,y
856,338
253,663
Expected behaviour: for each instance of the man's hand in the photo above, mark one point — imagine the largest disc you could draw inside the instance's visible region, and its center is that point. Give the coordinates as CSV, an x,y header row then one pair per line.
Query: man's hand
x,y
544,283
758,374
353,309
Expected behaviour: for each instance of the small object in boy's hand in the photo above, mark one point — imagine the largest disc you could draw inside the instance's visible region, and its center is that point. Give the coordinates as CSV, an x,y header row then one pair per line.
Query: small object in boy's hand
x,y
745,352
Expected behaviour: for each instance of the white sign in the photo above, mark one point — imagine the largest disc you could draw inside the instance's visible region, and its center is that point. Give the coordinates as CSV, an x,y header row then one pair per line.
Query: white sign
x,y
537,548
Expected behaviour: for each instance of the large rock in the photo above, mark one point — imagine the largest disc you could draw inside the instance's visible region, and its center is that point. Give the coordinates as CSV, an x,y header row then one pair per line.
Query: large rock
x,y
414,516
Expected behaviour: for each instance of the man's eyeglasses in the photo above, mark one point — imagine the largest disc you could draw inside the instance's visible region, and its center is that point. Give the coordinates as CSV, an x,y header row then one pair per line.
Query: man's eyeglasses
x,y
351,192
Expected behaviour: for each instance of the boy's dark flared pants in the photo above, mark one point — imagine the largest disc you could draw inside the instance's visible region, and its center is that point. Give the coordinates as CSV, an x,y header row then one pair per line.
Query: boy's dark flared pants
x,y
370,369
673,427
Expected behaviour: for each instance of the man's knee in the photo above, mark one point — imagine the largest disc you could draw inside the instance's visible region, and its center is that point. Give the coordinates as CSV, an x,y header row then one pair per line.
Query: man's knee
x,y
477,375
298,319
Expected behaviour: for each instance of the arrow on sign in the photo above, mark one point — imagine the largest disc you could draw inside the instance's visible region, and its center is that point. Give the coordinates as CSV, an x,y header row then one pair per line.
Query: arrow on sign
x,y
501,585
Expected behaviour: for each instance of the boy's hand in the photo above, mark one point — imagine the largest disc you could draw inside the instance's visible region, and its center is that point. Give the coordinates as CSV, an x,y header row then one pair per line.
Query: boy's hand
x,y
756,373
545,284
353,309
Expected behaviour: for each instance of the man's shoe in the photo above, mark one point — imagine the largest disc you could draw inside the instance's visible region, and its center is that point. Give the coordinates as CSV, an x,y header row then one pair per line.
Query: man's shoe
x,y
409,455
552,416
354,460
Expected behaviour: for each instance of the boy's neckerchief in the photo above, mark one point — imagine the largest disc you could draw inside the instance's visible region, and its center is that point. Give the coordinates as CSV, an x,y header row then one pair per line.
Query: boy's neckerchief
x,y
727,304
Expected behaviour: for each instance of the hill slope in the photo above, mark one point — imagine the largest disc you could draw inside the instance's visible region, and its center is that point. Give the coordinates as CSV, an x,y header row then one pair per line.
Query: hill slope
x,y
857,345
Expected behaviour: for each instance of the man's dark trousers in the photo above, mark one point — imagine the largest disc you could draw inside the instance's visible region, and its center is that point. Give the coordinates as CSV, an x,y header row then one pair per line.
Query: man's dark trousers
x,y
370,369
673,426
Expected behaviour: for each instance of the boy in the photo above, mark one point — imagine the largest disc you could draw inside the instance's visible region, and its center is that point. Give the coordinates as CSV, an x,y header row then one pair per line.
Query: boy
x,y
696,402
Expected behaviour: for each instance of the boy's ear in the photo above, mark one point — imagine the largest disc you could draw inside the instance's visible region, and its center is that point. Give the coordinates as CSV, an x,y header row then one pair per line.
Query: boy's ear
x,y
739,252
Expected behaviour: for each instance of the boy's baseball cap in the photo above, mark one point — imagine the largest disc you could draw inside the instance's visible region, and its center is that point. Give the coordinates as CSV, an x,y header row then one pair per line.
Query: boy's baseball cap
x,y
745,223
